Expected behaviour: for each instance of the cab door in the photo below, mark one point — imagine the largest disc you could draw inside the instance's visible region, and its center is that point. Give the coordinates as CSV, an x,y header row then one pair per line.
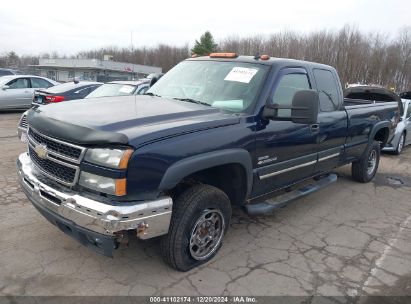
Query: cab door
x,y
332,120
286,152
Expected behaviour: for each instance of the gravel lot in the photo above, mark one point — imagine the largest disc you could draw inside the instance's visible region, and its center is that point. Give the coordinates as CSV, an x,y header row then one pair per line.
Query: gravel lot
x,y
348,239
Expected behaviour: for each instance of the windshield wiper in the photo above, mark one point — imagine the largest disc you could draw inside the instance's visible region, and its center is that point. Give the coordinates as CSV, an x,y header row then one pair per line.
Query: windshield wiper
x,y
151,94
193,101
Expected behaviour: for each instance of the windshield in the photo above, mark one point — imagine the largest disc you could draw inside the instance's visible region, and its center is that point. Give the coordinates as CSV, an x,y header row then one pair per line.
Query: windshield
x,y
227,85
112,89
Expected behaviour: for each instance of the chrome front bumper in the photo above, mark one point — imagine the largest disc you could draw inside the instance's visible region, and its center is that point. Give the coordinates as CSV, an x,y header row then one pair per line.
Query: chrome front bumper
x,y
148,218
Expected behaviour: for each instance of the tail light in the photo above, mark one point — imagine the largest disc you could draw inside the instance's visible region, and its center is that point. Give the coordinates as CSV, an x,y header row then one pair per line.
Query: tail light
x,y
54,98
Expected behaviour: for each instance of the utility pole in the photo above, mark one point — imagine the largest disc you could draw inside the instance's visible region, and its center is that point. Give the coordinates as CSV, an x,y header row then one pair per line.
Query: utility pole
x,y
132,47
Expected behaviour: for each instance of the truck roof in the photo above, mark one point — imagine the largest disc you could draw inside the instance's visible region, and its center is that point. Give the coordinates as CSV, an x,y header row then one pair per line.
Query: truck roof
x,y
271,61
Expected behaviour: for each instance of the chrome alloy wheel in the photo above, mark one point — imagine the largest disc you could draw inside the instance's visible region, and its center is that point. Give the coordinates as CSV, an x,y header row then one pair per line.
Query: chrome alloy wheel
x,y
206,234
372,162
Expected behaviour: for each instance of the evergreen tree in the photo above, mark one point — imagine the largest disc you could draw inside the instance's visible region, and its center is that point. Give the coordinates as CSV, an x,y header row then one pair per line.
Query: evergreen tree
x,y
13,59
205,46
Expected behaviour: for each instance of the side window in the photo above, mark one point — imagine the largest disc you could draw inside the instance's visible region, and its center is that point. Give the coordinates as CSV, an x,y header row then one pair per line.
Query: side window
x,y
142,90
287,87
19,83
327,89
40,83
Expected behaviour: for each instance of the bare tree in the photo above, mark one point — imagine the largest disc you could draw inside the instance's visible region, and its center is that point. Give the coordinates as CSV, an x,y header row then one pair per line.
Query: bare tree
x,y
371,58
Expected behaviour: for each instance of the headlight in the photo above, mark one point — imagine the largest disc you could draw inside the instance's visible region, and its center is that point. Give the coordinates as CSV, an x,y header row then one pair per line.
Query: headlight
x,y
113,158
103,184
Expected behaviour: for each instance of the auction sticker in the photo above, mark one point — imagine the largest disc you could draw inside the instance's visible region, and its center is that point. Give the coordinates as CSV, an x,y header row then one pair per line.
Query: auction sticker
x,y
240,74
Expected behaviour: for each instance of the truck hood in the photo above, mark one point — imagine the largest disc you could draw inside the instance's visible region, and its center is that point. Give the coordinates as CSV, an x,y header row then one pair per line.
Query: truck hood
x,y
124,120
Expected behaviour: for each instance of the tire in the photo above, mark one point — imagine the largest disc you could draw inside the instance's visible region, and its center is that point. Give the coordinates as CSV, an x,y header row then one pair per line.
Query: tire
x,y
400,145
196,206
361,170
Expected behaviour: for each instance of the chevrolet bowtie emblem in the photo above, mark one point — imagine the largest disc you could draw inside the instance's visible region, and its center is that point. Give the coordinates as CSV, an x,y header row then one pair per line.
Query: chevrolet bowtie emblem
x,y
41,151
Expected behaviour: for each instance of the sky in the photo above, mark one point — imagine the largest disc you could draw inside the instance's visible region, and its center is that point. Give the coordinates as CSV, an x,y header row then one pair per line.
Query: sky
x,y
32,27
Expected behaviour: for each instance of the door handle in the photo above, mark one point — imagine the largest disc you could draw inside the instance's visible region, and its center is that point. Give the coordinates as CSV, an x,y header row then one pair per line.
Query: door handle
x,y
315,128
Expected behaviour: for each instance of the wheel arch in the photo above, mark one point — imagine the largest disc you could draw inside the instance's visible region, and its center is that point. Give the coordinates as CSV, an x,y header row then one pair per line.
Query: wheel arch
x,y
380,133
208,164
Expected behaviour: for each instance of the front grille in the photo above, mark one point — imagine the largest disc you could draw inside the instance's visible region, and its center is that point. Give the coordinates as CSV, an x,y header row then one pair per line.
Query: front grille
x,y
55,170
61,148
23,122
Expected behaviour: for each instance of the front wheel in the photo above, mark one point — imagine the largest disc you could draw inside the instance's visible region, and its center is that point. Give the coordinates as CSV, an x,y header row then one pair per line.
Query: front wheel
x,y
200,219
365,169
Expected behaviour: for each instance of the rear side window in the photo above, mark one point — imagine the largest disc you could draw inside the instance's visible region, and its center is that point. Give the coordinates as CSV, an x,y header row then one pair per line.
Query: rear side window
x,y
287,87
327,89
40,83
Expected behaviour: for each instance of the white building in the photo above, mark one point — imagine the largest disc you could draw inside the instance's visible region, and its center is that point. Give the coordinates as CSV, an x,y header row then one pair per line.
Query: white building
x,y
91,69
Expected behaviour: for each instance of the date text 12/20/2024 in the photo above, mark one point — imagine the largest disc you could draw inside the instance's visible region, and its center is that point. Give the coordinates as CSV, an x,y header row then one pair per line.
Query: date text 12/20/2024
x,y
201,299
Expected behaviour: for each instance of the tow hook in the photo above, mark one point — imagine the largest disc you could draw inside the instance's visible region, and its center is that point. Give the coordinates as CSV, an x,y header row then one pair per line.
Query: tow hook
x,y
142,229
122,237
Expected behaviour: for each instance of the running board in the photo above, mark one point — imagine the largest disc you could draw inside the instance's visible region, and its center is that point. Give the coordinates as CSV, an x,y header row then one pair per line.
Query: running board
x,y
280,201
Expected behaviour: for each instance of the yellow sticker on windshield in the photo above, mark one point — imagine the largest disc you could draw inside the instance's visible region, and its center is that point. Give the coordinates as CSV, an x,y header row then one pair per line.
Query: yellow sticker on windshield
x,y
240,74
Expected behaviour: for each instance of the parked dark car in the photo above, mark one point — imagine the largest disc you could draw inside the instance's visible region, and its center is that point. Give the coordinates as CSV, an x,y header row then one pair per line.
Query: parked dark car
x,y
6,72
64,92
406,95
214,132
371,93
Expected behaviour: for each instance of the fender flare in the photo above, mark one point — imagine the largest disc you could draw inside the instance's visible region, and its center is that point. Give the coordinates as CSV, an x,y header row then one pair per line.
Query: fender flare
x,y
182,168
378,126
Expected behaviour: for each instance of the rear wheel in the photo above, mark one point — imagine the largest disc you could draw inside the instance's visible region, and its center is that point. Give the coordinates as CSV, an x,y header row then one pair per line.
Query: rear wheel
x,y
365,169
200,219
400,145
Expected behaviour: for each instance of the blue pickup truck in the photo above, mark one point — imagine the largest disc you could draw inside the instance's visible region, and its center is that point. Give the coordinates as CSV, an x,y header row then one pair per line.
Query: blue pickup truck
x,y
214,132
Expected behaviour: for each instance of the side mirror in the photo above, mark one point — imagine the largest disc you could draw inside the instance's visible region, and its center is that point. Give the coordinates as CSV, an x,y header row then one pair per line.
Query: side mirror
x,y
305,107
154,77
4,87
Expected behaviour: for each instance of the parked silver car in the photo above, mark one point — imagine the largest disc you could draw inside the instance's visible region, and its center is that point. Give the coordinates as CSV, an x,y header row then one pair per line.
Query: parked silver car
x,y
16,91
403,131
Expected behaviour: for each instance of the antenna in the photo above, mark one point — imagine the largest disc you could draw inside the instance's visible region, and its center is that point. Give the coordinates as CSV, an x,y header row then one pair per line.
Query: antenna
x,y
131,36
